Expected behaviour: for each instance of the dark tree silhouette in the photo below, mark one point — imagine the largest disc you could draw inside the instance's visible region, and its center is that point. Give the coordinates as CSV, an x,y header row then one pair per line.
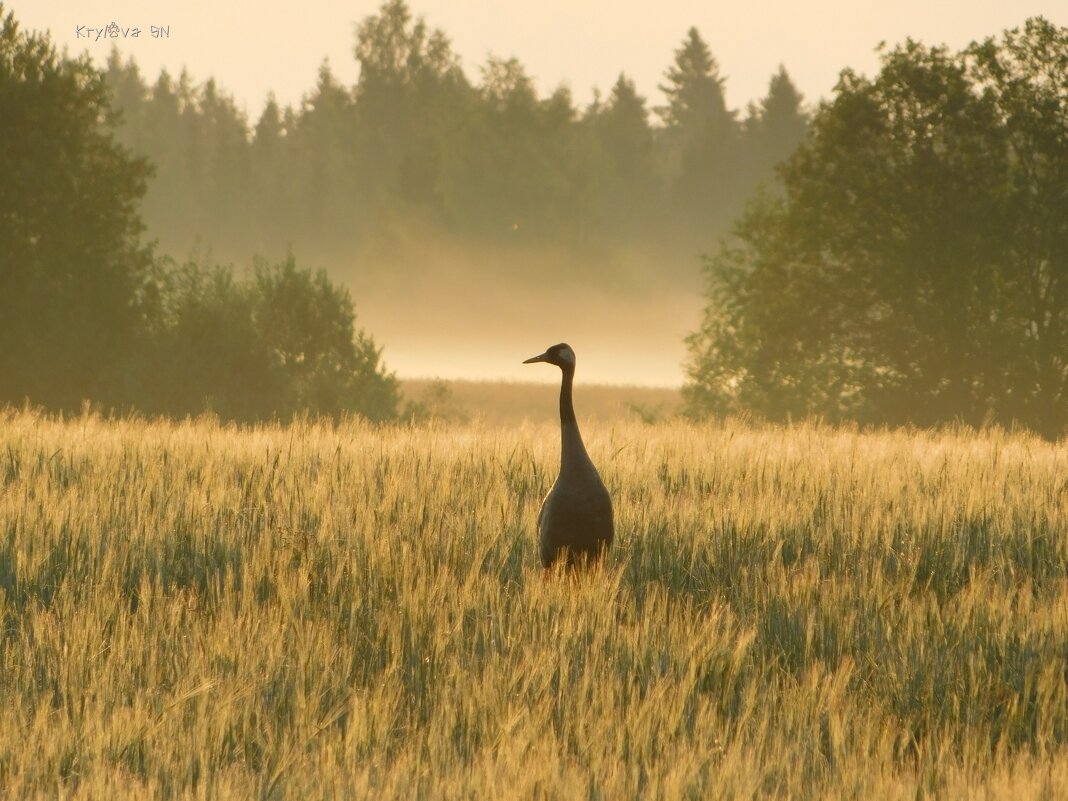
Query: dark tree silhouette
x,y
630,190
414,146
778,125
325,201
916,269
88,313
277,344
271,161
700,135
73,274
410,94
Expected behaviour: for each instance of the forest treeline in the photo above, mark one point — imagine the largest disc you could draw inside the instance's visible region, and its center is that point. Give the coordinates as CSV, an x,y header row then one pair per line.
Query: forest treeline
x,y
908,266
119,196
416,140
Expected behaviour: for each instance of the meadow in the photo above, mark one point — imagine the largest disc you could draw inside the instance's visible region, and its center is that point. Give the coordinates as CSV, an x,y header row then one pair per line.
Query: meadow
x,y
192,610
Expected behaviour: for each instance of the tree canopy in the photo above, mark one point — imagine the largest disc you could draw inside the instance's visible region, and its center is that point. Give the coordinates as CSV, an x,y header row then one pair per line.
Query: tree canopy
x,y
89,312
73,272
276,343
915,268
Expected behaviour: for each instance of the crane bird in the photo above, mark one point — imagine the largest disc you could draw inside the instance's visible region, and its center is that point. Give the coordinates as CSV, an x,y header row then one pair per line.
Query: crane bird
x,y
575,522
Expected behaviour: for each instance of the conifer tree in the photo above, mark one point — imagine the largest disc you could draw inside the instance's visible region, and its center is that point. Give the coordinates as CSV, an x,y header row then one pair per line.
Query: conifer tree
x,y
781,122
700,137
625,139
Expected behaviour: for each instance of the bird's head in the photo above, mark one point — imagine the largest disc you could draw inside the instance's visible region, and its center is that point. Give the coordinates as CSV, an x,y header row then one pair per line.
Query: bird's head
x,y
561,355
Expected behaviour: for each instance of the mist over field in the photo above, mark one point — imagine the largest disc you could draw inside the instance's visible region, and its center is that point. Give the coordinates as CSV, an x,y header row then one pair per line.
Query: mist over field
x,y
463,309
459,320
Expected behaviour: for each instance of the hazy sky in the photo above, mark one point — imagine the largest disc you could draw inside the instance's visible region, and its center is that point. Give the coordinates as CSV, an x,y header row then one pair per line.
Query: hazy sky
x,y
256,46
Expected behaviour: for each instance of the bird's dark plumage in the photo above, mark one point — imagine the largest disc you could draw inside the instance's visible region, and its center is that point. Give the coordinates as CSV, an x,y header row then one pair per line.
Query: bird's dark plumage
x,y
575,522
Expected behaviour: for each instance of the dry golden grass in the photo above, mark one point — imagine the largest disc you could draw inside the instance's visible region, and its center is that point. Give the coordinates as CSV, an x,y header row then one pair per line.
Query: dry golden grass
x,y
196,611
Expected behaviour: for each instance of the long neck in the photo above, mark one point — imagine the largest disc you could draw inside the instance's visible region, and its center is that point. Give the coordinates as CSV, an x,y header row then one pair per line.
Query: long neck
x,y
567,406
572,451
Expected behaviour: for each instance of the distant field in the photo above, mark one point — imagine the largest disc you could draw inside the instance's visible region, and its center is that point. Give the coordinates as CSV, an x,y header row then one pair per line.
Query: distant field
x,y
510,403
197,611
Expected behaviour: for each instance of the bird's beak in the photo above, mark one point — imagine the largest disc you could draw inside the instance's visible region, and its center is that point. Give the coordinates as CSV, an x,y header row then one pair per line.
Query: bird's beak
x,y
538,358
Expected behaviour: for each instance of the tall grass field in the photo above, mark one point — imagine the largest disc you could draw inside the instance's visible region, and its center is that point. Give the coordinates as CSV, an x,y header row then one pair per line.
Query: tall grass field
x,y
312,611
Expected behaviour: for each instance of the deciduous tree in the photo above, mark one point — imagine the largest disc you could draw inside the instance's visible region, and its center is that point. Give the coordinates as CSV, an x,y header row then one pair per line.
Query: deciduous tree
x,y
72,269
916,269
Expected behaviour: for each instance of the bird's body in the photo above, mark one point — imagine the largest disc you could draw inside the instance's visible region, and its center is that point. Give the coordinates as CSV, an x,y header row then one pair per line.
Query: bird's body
x,y
575,522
